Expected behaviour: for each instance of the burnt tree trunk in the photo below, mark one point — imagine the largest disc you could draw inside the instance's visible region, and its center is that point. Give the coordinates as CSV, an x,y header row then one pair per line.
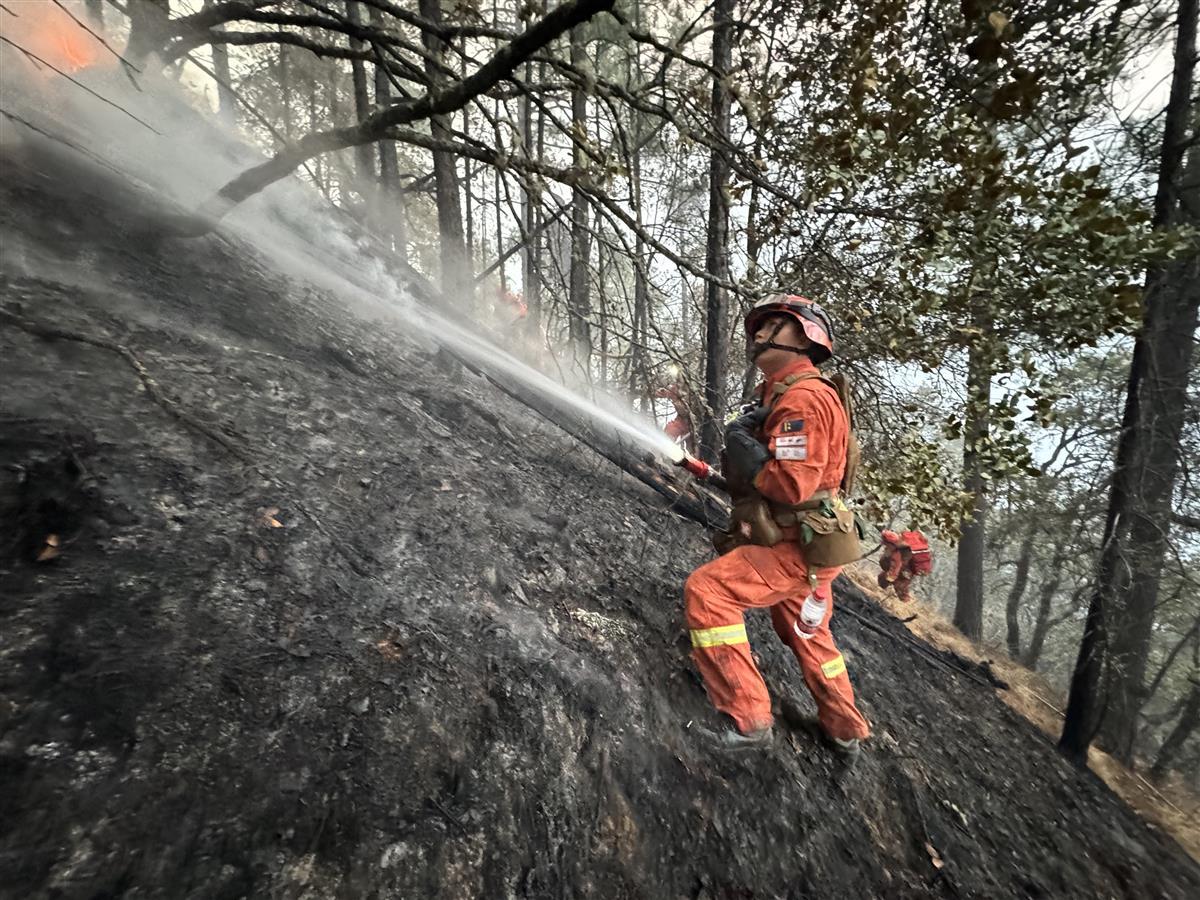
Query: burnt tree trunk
x,y
601,275
392,215
716,341
364,163
529,201
579,302
226,101
1016,594
1121,612
457,277
639,376
1190,635
284,74
149,24
1189,721
968,606
468,184
639,369
754,243
318,176
1042,623
534,298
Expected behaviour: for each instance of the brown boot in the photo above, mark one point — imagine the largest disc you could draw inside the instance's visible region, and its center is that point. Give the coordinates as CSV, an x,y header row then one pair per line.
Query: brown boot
x,y
730,740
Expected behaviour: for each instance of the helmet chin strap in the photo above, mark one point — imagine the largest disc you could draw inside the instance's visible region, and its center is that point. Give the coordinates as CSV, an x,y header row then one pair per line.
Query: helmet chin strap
x,y
758,347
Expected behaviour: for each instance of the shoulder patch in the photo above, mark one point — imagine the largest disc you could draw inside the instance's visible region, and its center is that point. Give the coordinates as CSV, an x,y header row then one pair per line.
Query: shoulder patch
x,y
791,447
791,426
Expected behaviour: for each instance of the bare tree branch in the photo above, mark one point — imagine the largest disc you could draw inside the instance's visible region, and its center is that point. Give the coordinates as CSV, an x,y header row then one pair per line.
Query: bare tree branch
x,y
375,126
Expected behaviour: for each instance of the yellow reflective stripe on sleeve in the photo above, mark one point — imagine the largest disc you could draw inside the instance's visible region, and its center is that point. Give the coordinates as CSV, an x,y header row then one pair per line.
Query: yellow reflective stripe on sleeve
x,y
834,667
723,634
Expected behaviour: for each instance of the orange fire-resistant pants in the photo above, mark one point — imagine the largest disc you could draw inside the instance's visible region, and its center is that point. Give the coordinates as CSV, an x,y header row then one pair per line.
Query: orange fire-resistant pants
x,y
716,596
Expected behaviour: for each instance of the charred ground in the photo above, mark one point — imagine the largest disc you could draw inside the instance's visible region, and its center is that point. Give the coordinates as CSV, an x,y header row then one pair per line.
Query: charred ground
x,y
321,623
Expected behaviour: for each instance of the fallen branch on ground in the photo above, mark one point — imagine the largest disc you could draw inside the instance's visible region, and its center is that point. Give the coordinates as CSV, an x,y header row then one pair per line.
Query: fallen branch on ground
x,y
923,650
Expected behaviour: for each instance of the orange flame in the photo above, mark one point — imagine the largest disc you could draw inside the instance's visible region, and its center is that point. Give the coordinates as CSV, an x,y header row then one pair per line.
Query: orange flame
x,y
47,31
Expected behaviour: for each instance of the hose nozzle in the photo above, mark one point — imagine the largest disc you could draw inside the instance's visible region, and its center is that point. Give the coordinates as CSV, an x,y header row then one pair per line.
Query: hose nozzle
x,y
703,472
697,467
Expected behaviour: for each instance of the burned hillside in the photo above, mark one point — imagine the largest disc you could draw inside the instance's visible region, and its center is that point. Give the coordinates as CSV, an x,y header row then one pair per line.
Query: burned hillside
x,y
287,612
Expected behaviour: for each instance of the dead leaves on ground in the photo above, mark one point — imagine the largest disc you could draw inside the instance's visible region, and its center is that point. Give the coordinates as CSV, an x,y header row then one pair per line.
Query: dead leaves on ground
x,y
390,649
265,517
51,548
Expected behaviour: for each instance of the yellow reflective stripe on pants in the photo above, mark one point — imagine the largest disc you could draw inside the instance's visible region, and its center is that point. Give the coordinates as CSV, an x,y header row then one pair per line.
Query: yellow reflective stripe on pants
x,y
723,634
834,667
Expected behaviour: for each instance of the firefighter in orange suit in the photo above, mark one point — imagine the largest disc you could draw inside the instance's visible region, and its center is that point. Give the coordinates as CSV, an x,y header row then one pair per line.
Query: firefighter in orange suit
x,y
789,449
905,556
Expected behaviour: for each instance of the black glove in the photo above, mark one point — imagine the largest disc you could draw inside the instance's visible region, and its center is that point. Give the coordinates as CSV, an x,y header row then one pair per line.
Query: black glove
x,y
744,452
750,421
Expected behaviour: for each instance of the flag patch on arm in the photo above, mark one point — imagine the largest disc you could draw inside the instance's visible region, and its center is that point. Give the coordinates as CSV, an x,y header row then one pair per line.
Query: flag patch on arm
x,y
791,426
792,447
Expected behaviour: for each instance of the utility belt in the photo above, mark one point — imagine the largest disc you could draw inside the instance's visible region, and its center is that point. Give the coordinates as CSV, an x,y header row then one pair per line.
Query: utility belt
x,y
825,528
787,515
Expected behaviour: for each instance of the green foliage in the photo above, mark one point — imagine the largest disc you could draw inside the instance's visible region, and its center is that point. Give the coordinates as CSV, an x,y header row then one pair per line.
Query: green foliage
x,y
918,483
946,202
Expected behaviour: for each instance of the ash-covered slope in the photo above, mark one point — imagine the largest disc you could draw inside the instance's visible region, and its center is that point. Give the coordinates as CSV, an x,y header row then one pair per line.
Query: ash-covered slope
x,y
319,623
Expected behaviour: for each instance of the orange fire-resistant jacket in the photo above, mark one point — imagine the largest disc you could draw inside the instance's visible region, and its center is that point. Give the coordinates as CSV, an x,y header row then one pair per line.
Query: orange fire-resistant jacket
x,y
806,432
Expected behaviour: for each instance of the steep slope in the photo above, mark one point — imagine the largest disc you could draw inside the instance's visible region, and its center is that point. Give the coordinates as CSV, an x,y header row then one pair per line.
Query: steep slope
x,y
315,622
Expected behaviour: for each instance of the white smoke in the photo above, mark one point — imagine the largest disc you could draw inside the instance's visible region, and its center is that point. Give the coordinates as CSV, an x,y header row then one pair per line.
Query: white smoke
x,y
170,143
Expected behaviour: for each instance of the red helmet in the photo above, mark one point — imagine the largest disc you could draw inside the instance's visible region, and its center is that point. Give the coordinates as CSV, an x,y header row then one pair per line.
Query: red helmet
x,y
813,319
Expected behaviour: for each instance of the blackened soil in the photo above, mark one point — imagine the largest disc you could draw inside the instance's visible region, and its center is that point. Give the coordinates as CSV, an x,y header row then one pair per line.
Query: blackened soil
x,y
316,625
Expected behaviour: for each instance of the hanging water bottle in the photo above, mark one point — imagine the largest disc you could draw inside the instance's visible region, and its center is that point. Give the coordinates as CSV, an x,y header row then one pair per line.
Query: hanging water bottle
x,y
812,614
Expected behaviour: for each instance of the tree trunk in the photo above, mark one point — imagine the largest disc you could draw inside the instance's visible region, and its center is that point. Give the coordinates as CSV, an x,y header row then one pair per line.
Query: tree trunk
x,y
1041,625
1189,635
313,117
754,244
716,341
1121,612
968,607
285,90
639,370
226,101
457,275
579,302
148,29
1172,301
603,311
1016,593
364,162
392,215
529,272
496,181
468,183
499,222
1189,720
534,298
638,375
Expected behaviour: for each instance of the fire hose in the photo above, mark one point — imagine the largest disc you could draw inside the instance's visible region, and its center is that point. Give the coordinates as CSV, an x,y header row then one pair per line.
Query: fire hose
x,y
702,471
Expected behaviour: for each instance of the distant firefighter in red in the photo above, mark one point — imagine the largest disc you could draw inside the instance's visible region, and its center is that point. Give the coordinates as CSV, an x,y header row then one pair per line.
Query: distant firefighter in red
x,y
904,557
511,306
680,429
